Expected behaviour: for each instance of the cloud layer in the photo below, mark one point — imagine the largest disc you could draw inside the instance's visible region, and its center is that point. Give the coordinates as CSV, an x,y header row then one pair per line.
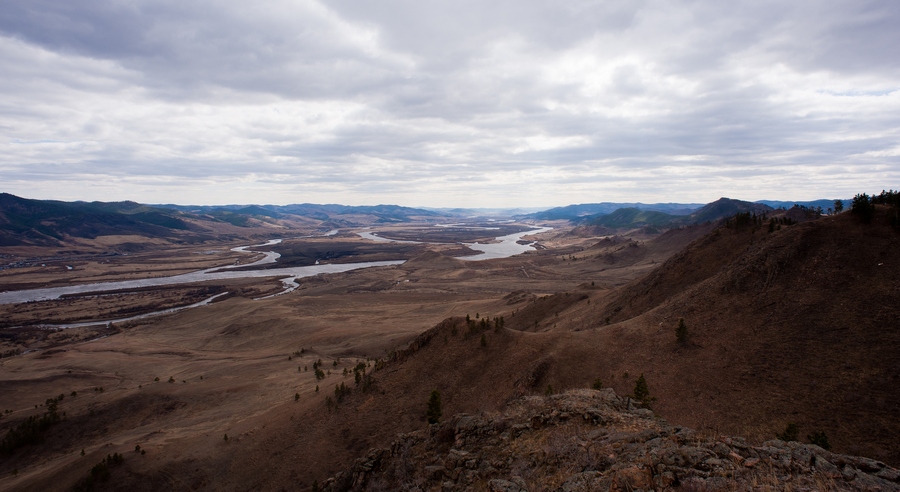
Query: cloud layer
x,y
448,103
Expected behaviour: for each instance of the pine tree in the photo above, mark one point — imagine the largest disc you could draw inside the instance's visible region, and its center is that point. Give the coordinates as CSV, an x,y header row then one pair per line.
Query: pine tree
x,y
642,392
433,413
791,433
681,332
863,208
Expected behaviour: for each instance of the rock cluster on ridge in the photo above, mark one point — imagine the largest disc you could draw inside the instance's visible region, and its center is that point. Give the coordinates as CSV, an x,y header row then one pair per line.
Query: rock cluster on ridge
x,y
585,440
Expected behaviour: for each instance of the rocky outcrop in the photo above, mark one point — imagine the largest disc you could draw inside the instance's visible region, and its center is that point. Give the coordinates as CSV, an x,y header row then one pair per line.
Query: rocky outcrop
x,y
587,440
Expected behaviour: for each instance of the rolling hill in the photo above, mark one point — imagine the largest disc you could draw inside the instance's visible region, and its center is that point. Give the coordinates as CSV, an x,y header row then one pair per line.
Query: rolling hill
x,y
47,222
633,217
583,210
626,218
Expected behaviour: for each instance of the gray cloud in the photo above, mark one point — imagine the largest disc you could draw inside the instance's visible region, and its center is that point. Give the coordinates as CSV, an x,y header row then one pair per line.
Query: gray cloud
x,y
448,103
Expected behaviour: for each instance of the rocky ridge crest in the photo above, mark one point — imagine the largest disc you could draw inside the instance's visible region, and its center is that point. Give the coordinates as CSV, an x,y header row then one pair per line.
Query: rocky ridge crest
x,y
586,440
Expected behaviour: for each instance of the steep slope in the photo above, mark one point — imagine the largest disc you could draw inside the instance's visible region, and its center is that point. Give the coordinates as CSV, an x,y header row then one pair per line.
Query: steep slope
x,y
797,326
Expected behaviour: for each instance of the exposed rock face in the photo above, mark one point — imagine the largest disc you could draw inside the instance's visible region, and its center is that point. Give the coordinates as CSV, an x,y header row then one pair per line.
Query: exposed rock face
x,y
586,440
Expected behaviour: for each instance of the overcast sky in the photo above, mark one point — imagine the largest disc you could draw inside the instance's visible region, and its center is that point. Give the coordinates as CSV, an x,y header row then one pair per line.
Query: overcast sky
x,y
457,103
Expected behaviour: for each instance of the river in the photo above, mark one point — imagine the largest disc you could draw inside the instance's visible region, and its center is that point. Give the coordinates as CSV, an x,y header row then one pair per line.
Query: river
x,y
507,246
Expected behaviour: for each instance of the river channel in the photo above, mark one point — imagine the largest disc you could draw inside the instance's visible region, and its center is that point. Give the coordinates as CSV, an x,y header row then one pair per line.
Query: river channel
x,y
506,246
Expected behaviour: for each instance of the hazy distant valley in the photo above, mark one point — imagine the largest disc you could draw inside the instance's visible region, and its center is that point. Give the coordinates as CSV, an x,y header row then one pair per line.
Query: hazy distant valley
x,y
789,315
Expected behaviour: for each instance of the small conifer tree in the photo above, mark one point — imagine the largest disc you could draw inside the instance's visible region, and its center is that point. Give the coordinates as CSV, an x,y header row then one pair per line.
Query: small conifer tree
x,y
681,333
642,391
863,208
434,411
791,433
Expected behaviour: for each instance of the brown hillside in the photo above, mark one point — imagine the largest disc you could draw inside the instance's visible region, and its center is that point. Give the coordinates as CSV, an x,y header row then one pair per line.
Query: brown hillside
x,y
797,326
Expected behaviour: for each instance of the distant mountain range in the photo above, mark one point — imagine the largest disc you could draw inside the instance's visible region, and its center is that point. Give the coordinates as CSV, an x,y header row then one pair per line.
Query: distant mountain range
x,y
343,215
574,212
823,203
634,217
47,222
586,212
